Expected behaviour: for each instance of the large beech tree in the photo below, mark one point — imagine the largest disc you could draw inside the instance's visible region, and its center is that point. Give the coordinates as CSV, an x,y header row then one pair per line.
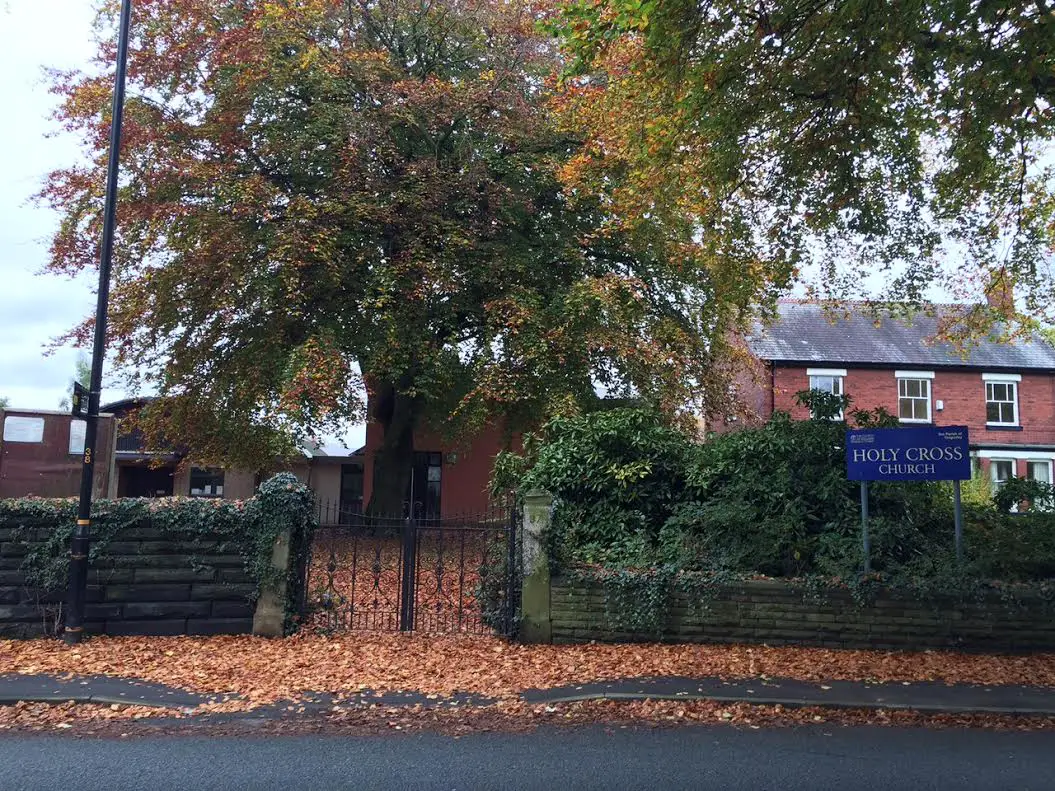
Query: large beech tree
x,y
885,146
325,198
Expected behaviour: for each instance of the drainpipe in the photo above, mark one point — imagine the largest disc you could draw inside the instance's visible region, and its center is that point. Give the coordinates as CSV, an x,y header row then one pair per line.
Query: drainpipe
x,y
772,388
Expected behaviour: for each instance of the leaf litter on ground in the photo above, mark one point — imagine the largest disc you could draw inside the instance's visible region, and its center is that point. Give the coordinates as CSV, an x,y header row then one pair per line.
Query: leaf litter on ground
x,y
263,671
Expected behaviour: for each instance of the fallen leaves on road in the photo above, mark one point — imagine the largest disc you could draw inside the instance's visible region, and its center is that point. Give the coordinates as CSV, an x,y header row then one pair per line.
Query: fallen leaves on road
x,y
131,721
264,671
68,716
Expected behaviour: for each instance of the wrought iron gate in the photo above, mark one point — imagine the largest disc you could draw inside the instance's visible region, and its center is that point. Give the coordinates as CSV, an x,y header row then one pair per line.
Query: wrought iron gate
x,y
455,574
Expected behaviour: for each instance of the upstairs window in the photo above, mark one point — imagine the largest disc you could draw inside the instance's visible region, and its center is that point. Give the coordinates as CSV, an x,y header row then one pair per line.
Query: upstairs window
x,y
828,380
913,396
1001,399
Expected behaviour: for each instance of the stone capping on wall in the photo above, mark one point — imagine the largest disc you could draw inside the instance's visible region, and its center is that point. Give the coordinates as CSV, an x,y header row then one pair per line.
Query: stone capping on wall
x,y
778,613
149,583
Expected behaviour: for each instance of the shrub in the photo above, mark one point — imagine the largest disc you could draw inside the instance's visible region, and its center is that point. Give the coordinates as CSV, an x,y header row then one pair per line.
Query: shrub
x,y
1012,548
775,500
632,493
1023,494
616,475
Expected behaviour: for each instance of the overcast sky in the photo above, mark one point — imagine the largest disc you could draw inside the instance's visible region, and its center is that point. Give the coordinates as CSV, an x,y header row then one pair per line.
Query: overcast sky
x,y
35,308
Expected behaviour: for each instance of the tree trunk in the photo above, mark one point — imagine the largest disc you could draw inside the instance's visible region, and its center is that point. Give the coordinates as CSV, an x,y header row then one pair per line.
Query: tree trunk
x,y
398,415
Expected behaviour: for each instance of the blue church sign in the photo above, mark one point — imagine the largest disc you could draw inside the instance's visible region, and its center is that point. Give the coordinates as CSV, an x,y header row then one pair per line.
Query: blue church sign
x,y
925,453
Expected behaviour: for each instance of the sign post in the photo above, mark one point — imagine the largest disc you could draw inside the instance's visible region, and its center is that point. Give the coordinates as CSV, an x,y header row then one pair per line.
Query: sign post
x,y
925,453
865,546
957,512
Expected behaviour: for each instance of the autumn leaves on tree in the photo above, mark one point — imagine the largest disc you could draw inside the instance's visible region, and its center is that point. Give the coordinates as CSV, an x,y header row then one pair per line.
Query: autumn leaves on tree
x,y
869,148
324,198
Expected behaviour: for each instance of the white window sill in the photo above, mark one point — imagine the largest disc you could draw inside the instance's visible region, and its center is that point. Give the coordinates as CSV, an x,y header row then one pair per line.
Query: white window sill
x,y
1002,425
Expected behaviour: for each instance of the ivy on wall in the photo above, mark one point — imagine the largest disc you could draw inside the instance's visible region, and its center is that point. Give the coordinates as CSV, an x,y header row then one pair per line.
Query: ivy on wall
x,y
638,601
246,527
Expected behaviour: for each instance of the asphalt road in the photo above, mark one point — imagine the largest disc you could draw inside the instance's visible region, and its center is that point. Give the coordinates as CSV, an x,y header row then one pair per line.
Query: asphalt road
x,y
726,758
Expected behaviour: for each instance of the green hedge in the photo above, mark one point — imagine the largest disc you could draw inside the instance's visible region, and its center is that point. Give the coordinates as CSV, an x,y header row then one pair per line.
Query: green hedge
x,y
250,526
633,493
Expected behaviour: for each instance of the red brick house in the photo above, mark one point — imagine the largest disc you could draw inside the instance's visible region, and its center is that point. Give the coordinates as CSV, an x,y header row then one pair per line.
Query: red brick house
x,y
449,477
1003,392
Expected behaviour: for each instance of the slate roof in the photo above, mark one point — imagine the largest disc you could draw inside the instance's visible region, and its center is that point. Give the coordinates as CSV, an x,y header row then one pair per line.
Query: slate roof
x,y
805,333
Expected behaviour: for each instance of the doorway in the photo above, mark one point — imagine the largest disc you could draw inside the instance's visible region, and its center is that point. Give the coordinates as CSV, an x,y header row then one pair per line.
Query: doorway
x,y
426,484
351,504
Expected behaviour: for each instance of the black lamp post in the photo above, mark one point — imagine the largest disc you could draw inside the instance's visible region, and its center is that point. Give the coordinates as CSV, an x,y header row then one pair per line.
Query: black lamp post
x,y
79,545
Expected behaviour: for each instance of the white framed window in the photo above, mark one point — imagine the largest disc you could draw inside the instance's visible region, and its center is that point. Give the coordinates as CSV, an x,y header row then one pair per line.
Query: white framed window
x,y
828,380
1001,471
1040,470
914,396
1001,399
1002,465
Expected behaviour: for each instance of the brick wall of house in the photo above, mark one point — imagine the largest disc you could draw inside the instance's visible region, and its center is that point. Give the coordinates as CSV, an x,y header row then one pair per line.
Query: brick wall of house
x,y
963,394
47,468
467,465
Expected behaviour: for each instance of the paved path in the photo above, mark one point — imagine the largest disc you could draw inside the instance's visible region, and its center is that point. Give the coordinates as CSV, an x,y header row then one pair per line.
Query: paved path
x,y
95,689
920,696
816,757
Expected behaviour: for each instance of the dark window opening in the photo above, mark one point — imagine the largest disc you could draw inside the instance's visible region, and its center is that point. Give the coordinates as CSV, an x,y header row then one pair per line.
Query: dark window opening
x,y
144,481
426,477
351,492
206,482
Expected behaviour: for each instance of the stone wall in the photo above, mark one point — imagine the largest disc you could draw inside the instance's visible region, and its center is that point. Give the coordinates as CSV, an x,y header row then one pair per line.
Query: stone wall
x,y
778,613
149,583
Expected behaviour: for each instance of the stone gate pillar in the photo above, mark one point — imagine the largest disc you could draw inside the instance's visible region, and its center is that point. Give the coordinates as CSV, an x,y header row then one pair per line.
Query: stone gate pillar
x,y
269,619
535,590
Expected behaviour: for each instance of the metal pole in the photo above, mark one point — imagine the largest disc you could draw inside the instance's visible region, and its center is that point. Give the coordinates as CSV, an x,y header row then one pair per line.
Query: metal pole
x,y
957,510
865,545
79,544
511,573
406,609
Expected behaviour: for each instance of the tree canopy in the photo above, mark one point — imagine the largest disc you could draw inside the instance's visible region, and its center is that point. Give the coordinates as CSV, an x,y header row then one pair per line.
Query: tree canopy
x,y
327,198
835,139
322,198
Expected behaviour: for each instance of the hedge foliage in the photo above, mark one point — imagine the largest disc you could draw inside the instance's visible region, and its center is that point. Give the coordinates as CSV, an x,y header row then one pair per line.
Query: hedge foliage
x,y
248,527
633,493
